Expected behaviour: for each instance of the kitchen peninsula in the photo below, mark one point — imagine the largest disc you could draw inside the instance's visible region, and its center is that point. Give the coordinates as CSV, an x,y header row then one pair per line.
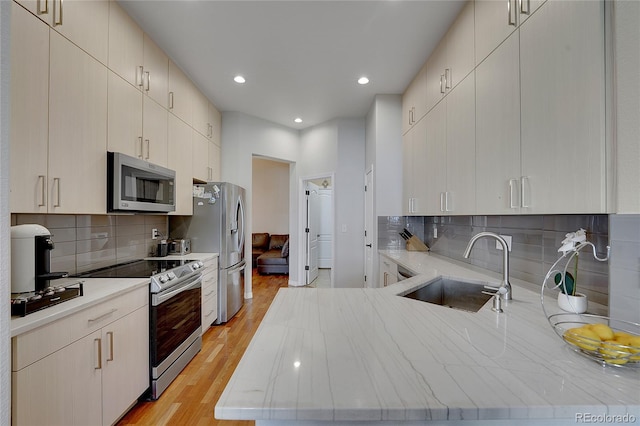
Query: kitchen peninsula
x,y
331,356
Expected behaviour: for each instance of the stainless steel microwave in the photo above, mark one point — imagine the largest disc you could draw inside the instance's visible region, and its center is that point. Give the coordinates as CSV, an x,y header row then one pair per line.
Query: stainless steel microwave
x,y
135,185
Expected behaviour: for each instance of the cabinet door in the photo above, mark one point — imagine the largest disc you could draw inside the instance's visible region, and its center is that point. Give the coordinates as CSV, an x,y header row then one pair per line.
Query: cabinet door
x,y
125,363
200,159
180,160
215,119
461,149
180,94
77,130
563,108
72,377
495,20
434,182
85,23
154,131
214,162
436,85
460,47
125,45
498,130
407,172
156,64
200,107
124,117
29,112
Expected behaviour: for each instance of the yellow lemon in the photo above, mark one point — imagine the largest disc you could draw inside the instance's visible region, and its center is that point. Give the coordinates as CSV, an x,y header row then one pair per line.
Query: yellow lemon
x,y
622,337
583,337
634,347
613,353
603,331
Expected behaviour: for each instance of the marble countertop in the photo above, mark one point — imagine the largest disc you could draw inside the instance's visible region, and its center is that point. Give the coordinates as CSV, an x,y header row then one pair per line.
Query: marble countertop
x,y
95,291
370,355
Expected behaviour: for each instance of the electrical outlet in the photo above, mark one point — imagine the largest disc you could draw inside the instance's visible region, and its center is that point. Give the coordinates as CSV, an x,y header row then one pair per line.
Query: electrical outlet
x,y
154,234
507,238
435,232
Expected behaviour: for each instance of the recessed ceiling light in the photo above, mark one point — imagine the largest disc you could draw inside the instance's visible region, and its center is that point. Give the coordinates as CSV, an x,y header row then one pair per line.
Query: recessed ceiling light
x,y
363,80
298,120
239,79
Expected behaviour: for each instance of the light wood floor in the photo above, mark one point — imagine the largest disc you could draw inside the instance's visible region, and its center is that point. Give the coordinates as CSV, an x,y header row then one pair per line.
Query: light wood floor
x,y
192,396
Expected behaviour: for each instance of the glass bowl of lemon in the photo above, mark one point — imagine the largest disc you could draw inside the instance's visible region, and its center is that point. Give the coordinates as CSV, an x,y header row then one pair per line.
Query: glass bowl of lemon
x,y
609,342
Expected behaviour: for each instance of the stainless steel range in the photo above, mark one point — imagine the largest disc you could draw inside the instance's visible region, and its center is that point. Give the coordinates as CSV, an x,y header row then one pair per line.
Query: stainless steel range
x,y
175,313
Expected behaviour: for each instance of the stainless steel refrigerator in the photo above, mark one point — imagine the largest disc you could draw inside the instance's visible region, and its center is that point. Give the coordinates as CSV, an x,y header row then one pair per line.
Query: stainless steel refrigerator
x,y
218,226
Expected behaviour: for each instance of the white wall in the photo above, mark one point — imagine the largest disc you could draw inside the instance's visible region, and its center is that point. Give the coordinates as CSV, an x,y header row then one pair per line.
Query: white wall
x,y
270,196
242,137
5,218
626,39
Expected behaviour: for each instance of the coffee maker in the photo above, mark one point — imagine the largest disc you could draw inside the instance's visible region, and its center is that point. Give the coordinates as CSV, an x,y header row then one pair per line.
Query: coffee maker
x,y
31,247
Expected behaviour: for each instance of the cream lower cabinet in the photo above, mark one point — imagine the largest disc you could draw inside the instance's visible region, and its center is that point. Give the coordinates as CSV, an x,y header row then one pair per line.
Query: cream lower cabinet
x,y
85,369
388,272
414,158
209,293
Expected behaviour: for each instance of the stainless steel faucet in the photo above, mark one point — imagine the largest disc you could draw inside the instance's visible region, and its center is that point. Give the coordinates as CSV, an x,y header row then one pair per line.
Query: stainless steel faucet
x,y
505,286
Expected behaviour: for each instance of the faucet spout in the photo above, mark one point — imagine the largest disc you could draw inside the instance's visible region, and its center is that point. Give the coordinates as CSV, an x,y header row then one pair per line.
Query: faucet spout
x,y
505,286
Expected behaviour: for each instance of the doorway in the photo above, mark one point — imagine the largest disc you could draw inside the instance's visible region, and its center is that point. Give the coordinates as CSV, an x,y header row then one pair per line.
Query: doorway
x,y
318,199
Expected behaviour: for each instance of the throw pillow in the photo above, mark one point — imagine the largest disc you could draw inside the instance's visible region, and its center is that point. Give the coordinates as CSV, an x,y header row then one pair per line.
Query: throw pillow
x,y
285,249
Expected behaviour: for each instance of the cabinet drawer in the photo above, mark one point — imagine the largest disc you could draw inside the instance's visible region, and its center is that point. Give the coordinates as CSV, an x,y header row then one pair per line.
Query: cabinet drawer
x,y
209,311
36,344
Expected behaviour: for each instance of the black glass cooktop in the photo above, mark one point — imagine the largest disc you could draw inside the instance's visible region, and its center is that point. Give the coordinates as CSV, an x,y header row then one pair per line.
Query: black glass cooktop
x,y
133,269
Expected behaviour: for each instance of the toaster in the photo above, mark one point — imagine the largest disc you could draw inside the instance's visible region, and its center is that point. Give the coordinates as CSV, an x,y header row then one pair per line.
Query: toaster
x,y
180,246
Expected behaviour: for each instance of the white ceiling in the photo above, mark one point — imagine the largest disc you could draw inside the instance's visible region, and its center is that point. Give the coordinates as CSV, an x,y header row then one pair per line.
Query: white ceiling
x,y
300,58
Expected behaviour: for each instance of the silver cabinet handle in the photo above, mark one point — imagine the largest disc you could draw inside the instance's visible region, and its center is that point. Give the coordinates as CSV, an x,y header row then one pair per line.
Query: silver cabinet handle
x,y
57,22
46,7
447,78
102,316
446,201
386,278
441,85
110,335
442,201
139,74
43,203
141,148
522,10
148,81
523,180
509,14
148,149
512,205
99,341
170,100
56,184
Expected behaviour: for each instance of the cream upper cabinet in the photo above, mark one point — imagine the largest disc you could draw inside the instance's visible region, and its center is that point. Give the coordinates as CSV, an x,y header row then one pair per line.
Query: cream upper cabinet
x,y
453,58
124,117
125,46
155,72
154,131
496,20
450,153
215,121
200,161
414,150
563,108
29,112
200,109
180,94
414,100
498,130
214,162
77,129
180,159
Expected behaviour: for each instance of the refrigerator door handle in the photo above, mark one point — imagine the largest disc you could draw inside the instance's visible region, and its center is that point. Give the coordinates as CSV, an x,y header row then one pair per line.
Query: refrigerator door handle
x,y
236,268
240,222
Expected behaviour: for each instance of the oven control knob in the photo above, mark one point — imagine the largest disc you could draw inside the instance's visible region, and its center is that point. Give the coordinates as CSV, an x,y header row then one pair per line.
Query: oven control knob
x,y
195,265
171,275
200,264
164,278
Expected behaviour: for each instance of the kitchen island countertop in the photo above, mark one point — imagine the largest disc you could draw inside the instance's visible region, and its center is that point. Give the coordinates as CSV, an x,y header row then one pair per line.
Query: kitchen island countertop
x,y
368,355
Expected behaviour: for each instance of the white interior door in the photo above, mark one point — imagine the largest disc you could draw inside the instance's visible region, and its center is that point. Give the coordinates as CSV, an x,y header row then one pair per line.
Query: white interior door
x,y
368,229
311,230
325,238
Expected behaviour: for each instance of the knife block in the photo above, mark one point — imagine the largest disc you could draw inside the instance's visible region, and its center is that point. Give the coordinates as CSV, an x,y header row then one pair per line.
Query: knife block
x,y
414,244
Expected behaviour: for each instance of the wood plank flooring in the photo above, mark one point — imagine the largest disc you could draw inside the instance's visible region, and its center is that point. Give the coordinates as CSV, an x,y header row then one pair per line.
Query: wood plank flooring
x,y
192,396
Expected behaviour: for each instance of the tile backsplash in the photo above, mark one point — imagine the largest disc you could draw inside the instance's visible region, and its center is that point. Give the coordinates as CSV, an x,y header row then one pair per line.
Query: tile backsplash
x,y
85,242
624,297
535,243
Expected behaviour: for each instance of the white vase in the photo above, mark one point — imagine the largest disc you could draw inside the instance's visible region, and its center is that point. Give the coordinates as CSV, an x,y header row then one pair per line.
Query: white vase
x,y
576,304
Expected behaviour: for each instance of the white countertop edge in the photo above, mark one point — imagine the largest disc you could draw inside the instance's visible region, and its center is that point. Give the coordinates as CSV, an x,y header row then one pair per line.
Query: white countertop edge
x,y
95,291
189,256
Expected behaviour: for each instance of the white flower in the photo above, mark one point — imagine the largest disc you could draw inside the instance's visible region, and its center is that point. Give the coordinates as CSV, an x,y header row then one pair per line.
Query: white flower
x,y
573,240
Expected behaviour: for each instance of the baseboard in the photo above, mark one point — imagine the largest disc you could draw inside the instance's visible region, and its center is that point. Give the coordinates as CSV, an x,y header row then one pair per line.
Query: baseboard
x,y
248,295
295,284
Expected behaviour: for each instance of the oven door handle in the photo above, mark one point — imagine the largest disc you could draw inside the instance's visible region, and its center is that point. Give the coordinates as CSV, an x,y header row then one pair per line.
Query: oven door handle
x,y
188,285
